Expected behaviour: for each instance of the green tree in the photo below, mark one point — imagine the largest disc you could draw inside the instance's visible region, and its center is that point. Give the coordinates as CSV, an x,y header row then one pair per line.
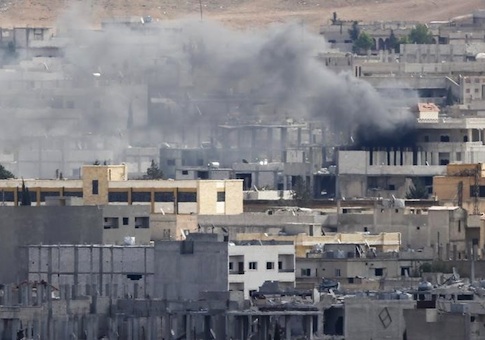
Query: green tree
x,y
354,31
417,190
4,173
153,172
301,192
364,43
25,196
421,35
393,42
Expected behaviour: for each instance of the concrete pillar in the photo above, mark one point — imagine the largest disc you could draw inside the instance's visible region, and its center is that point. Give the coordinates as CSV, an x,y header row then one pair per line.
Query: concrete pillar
x,y
320,324
309,326
15,324
284,138
419,160
269,144
391,158
470,135
188,327
287,327
298,137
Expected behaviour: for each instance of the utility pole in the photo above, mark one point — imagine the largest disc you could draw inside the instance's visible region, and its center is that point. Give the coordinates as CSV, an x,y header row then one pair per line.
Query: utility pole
x,y
200,5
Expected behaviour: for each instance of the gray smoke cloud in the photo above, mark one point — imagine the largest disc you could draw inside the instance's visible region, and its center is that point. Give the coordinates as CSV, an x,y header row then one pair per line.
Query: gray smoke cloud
x,y
167,81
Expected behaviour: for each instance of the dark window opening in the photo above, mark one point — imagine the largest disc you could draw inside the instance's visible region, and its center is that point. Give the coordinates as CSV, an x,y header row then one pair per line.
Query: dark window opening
x,y
203,174
134,277
141,196
118,196
221,196
253,265
269,265
94,187
426,139
73,193
247,180
111,223
306,272
444,138
142,222
126,220
7,196
379,271
185,172
164,197
481,191
187,197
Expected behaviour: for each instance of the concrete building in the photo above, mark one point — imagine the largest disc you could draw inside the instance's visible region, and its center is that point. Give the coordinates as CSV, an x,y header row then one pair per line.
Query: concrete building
x,y
186,269
127,269
383,242
355,268
390,171
251,263
462,184
108,185
24,226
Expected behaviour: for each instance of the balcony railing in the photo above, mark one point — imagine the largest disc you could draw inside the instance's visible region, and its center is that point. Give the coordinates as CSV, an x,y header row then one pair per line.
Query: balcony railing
x,y
236,272
291,270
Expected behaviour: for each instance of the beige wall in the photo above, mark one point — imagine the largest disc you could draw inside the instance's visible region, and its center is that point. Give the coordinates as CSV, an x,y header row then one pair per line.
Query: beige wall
x,y
91,174
234,197
207,197
172,227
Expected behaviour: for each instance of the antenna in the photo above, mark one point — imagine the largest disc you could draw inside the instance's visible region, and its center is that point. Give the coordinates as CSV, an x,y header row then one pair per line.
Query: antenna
x,y
200,5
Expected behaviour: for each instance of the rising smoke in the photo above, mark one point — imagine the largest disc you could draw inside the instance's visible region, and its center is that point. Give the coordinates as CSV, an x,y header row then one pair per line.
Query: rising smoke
x,y
162,82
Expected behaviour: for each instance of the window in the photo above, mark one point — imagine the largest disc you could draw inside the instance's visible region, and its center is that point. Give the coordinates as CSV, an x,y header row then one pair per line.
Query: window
x,y
280,265
269,265
458,157
187,197
467,90
7,196
44,194
221,196
171,162
185,172
111,223
306,272
164,197
476,90
253,265
379,271
481,191
73,193
142,222
126,220
459,226
337,272
444,138
231,266
426,139
94,187
465,139
141,196
118,196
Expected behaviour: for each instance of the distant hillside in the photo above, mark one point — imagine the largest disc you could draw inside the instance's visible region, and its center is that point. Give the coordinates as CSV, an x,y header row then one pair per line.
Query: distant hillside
x,y
240,13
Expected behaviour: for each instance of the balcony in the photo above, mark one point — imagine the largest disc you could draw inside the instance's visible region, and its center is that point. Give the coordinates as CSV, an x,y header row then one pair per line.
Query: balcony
x,y
289,270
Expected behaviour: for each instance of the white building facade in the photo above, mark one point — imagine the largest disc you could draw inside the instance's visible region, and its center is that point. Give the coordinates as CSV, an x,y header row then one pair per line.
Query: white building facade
x,y
251,263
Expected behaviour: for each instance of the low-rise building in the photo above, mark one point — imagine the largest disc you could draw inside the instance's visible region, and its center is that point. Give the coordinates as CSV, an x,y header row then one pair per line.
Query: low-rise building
x,y
251,263
109,185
